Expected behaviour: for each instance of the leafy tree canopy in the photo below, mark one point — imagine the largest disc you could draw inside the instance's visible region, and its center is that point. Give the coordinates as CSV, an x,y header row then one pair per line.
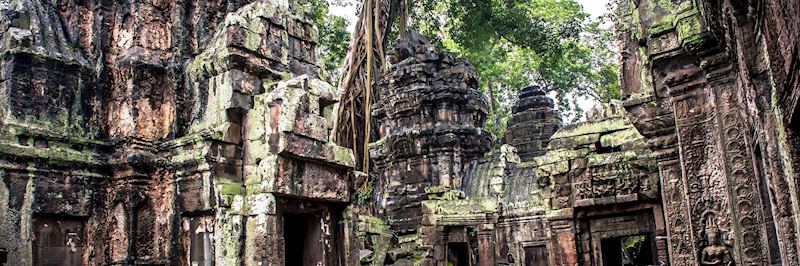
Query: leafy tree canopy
x,y
333,38
514,43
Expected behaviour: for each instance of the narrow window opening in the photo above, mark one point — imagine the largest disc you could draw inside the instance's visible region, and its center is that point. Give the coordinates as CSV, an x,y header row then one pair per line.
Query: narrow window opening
x,y
201,248
603,149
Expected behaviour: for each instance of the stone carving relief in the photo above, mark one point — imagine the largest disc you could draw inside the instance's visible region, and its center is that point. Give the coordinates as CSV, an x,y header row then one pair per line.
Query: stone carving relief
x,y
715,252
675,207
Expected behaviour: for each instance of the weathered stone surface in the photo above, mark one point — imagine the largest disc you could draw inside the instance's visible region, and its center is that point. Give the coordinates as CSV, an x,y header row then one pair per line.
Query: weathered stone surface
x,y
710,88
431,118
533,121
194,132
126,133
612,169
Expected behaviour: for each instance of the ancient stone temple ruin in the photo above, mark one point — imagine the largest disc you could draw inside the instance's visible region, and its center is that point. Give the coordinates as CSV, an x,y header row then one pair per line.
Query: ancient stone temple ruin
x,y
585,193
196,133
431,117
166,133
532,122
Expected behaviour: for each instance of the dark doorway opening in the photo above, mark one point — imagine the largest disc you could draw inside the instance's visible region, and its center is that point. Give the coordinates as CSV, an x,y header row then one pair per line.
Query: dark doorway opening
x,y
536,256
301,236
627,251
458,254
58,241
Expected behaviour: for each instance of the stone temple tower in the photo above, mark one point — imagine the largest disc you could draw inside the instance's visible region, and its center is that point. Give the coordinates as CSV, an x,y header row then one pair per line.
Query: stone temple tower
x,y
431,118
534,119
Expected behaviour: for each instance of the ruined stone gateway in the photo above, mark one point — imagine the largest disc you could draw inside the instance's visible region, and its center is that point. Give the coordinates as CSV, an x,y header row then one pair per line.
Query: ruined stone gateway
x,y
158,132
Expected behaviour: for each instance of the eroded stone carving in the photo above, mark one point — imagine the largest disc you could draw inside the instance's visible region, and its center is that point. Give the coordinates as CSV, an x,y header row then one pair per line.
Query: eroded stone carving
x,y
715,252
692,82
431,118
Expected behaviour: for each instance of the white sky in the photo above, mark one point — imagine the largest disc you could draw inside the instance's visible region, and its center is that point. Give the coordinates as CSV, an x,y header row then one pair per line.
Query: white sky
x,y
348,12
595,8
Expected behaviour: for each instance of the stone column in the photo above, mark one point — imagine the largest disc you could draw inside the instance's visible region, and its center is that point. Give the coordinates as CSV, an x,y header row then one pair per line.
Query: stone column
x,y
661,239
712,197
440,249
562,233
486,244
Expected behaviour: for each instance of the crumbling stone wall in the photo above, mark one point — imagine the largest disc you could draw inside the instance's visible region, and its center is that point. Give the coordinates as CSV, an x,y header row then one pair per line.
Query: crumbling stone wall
x,y
597,162
594,181
601,182
157,132
712,87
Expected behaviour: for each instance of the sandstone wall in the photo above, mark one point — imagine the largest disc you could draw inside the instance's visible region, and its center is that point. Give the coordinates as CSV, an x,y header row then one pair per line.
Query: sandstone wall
x,y
157,132
712,87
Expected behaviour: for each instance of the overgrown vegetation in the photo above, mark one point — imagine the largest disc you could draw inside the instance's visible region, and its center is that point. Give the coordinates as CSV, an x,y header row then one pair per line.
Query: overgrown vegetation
x,y
333,39
364,195
512,43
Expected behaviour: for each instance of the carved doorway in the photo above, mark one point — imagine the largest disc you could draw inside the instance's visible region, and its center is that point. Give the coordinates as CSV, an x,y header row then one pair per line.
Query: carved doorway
x,y
458,254
461,248
620,239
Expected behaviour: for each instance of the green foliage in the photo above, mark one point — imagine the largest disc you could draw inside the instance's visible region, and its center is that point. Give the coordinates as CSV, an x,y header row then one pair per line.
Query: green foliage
x,y
633,247
365,193
333,39
514,43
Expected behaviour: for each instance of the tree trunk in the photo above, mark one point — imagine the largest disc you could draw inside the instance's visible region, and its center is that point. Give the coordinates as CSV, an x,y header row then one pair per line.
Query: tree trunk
x,y
491,103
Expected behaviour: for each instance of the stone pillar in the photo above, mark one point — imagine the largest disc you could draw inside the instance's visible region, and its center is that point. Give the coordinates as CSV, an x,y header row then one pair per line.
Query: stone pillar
x,y
486,244
683,97
440,250
562,234
662,248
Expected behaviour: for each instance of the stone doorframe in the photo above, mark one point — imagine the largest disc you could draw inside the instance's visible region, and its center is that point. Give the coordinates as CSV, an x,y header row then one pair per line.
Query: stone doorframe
x,y
596,241
634,227
527,244
482,223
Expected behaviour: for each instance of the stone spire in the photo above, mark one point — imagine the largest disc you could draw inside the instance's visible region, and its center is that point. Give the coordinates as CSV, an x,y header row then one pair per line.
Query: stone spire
x,y
431,117
534,119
